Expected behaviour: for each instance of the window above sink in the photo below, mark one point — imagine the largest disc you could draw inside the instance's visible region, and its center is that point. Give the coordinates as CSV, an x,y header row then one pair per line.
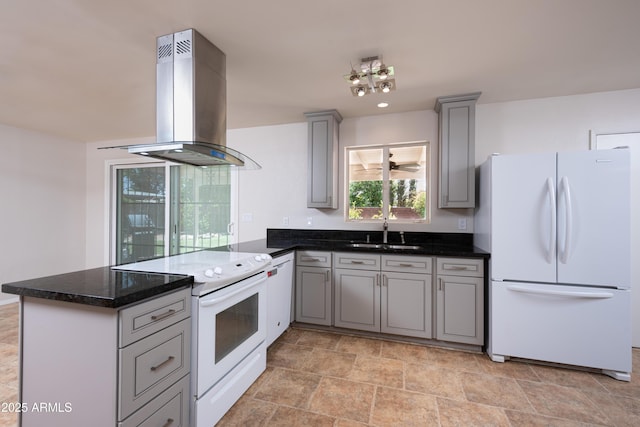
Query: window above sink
x,y
388,181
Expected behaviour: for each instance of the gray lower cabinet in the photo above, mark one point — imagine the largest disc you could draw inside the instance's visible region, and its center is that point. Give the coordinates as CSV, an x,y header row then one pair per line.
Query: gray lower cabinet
x,y
460,300
313,287
383,293
127,367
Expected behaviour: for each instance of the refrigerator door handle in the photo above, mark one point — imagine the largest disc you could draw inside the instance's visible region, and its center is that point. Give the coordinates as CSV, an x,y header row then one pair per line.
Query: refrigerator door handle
x,y
571,294
566,193
551,252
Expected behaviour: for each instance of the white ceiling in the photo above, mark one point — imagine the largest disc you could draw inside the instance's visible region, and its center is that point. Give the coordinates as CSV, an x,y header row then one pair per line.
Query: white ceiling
x,y
85,69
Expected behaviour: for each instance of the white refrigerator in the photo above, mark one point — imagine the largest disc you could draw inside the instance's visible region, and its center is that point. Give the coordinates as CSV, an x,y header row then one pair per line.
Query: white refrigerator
x,y
557,226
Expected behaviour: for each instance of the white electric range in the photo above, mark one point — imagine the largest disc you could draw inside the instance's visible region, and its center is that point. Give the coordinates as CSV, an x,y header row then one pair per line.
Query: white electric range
x,y
229,309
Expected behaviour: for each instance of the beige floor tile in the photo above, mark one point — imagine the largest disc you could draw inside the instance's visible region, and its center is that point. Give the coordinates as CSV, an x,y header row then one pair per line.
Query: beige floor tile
x,y
456,413
620,410
287,387
291,335
288,417
248,412
360,346
406,352
562,402
434,380
348,423
376,370
285,355
394,407
329,362
453,359
568,377
495,391
320,339
510,369
524,419
343,399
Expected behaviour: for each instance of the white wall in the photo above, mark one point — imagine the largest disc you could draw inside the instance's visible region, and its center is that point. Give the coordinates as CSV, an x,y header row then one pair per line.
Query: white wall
x,y
42,192
279,189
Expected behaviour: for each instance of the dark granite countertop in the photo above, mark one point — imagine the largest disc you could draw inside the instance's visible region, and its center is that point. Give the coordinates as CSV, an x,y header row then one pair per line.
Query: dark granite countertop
x,y
101,287
281,241
105,287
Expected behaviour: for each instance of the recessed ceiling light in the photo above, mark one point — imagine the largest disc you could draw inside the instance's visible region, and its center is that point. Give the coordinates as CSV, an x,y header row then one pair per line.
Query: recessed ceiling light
x,y
383,105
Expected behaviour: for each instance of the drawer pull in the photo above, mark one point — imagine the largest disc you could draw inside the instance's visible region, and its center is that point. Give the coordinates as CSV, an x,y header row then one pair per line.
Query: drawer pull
x,y
169,360
353,261
170,312
406,264
457,267
168,423
309,259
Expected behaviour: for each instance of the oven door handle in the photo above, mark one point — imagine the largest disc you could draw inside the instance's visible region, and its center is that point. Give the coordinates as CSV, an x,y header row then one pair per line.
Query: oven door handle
x,y
214,301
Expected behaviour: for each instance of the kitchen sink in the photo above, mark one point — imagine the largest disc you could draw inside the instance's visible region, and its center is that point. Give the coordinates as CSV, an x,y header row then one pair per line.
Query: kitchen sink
x,y
384,246
367,245
405,247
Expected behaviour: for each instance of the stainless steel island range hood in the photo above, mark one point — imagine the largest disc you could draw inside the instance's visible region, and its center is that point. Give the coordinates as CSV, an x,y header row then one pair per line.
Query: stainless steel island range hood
x,y
191,110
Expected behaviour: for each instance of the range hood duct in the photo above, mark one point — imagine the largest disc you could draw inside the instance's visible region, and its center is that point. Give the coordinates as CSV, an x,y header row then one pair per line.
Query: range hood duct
x,y
191,110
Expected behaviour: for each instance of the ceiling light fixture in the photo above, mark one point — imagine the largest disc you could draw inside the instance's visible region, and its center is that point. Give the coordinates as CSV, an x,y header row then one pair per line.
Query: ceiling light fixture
x,y
383,105
376,76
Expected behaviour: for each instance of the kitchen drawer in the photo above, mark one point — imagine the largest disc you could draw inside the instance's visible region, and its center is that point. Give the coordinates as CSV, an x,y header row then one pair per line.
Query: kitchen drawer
x,y
149,366
313,258
142,320
407,264
473,267
356,261
171,408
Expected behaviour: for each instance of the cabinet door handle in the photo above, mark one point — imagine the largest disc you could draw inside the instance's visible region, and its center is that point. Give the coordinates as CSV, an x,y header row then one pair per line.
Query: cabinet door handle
x,y
385,280
168,423
440,284
169,360
327,275
159,317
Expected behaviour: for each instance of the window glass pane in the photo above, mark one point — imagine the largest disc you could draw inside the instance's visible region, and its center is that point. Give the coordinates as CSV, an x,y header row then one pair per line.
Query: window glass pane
x,y
140,214
365,184
388,181
407,183
201,205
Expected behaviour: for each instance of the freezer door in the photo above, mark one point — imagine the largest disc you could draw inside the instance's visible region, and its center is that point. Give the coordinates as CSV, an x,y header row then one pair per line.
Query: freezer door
x,y
523,217
594,218
574,325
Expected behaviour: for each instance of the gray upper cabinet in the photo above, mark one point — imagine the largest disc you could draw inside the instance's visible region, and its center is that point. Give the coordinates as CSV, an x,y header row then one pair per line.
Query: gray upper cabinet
x,y
457,150
322,176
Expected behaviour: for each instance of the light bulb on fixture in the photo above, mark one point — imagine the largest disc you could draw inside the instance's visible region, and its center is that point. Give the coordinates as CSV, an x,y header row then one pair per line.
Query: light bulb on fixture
x,y
361,91
383,73
386,87
383,105
354,77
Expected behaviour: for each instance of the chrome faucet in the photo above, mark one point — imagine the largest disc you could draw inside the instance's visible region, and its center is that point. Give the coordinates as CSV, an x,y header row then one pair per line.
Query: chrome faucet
x,y
385,231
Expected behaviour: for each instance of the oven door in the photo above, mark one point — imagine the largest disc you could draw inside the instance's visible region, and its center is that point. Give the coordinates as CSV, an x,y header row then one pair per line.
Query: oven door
x,y
231,324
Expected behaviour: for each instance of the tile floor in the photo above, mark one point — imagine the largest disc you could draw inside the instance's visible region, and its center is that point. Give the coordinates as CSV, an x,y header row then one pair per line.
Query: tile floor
x,y
318,378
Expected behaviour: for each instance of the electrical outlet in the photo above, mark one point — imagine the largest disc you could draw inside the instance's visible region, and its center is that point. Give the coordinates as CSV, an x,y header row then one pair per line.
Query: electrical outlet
x,y
285,220
309,221
247,217
462,224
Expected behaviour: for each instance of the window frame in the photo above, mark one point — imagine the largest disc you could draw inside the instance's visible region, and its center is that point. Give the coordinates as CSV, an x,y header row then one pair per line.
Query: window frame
x,y
386,182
